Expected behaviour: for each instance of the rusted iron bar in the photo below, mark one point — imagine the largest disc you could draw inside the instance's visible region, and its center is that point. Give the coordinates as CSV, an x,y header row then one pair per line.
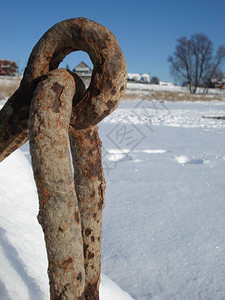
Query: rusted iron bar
x,y
59,213
90,189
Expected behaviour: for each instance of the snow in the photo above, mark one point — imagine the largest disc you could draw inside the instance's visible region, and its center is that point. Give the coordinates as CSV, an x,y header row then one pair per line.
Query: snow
x,y
141,88
23,272
163,223
155,113
23,256
163,227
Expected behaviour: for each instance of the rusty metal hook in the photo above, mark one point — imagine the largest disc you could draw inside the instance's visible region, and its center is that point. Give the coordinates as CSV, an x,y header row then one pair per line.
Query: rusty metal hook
x,y
58,107
56,104
107,85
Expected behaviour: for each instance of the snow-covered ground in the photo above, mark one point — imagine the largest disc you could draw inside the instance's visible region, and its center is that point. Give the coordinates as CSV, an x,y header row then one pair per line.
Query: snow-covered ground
x,y
163,223
140,87
169,87
163,229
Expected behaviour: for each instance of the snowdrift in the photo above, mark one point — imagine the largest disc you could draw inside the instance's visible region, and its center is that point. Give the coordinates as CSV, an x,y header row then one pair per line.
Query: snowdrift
x,y
23,271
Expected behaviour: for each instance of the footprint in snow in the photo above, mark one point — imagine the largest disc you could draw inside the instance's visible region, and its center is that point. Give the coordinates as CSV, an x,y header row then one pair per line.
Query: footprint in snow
x,y
118,155
182,159
157,151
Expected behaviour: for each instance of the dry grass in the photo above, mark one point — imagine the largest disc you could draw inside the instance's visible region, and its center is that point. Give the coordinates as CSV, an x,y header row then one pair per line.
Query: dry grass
x,y
172,96
7,88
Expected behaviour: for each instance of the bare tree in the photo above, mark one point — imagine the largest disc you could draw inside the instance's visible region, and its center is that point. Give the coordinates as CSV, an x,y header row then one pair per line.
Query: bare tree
x,y
193,61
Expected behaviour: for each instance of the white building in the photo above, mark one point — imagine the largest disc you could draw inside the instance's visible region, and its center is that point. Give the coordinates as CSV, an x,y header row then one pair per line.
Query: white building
x,y
138,77
83,70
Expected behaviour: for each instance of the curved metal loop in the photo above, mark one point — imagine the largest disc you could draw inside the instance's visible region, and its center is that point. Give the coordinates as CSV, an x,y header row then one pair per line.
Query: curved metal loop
x,y
109,76
107,85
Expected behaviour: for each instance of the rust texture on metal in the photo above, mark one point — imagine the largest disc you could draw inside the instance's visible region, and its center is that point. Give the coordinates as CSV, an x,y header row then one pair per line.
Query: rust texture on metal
x,y
48,128
90,188
107,85
52,108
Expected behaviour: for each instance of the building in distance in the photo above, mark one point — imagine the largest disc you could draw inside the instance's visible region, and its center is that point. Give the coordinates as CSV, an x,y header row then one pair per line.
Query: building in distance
x,y
138,77
8,67
83,70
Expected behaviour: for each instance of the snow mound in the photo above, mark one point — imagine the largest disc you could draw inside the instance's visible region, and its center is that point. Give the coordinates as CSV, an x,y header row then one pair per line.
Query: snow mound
x,y
182,159
110,291
157,151
23,272
125,155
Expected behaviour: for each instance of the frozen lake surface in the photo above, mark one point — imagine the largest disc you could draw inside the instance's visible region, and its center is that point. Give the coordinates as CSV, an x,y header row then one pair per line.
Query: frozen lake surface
x,y
163,229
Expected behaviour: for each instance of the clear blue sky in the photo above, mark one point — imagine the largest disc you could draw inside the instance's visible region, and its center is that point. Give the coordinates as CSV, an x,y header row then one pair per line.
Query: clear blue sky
x,y
146,30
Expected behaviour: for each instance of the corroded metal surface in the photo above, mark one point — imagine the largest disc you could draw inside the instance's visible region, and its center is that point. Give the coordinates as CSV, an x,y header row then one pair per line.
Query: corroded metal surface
x,y
58,107
107,85
90,189
58,207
